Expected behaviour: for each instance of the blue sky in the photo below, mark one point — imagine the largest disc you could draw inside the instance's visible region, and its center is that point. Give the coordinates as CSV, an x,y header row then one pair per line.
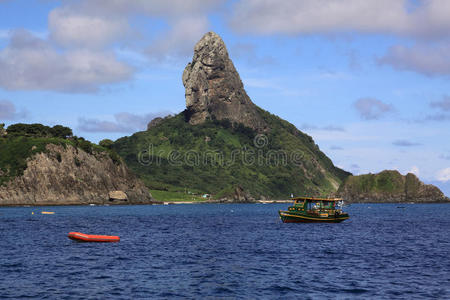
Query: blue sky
x,y
368,80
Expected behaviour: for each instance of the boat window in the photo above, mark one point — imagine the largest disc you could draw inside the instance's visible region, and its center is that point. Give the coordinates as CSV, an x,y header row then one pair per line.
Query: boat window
x,y
328,204
313,205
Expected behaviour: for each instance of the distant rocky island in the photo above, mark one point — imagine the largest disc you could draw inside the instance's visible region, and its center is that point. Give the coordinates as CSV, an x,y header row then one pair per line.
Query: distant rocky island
x,y
389,186
222,145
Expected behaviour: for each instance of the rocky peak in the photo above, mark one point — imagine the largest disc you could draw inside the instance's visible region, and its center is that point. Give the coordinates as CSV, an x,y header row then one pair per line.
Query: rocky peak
x,y
214,89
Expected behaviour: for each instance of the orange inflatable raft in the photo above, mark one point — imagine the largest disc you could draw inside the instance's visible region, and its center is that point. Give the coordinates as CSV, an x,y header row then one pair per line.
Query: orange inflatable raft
x,y
82,237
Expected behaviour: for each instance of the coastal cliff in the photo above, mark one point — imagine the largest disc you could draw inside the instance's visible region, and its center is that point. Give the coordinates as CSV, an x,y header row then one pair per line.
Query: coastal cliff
x,y
389,186
57,171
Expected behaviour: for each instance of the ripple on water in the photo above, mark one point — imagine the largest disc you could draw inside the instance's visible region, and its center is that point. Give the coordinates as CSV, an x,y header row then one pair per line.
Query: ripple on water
x,y
225,251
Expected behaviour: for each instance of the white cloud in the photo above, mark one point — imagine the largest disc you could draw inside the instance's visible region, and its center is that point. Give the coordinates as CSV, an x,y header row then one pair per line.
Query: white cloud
x,y
426,19
158,8
427,22
443,175
78,54
430,60
8,111
99,23
415,170
371,109
31,63
123,122
180,39
69,29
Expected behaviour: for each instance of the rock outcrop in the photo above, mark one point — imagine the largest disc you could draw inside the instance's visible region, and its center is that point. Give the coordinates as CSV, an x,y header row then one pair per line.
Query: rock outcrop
x,y
65,175
214,89
389,186
154,122
115,196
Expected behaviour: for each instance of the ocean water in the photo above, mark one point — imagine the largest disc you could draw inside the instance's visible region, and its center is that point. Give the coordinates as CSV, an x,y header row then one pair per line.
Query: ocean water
x,y
228,251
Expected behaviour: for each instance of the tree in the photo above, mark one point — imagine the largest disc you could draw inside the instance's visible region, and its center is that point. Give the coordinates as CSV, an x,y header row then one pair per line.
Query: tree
x,y
39,130
106,143
30,130
2,129
61,131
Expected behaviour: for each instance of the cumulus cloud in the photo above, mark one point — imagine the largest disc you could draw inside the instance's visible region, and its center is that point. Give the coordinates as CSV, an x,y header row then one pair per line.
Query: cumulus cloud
x,y
98,23
124,122
180,39
372,109
70,28
425,19
443,175
31,63
8,111
154,8
430,60
427,22
79,54
405,143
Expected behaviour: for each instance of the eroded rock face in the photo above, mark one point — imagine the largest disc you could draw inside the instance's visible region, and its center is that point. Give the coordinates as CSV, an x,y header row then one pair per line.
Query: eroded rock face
x,y
214,89
117,196
154,122
67,175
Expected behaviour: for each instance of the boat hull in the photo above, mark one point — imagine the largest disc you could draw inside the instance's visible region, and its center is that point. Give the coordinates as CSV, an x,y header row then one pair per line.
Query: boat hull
x,y
82,237
289,217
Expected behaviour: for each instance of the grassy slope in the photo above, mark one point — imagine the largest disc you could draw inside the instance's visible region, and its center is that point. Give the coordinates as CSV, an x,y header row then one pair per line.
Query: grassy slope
x,y
260,177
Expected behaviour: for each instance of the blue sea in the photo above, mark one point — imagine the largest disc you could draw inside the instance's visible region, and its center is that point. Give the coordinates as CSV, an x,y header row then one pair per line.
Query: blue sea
x,y
225,251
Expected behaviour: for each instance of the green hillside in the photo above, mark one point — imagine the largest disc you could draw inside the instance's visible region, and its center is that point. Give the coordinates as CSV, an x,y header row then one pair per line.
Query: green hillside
x,y
384,182
215,157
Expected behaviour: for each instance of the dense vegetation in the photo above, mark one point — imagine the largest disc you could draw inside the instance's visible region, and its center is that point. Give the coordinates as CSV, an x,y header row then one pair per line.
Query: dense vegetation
x,y
387,181
39,130
21,141
215,157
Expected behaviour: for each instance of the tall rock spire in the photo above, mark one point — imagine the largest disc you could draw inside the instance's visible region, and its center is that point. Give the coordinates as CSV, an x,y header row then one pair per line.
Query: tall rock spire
x,y
214,89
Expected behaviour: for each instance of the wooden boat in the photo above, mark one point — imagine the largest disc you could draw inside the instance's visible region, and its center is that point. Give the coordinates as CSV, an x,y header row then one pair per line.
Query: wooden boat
x,y
310,210
82,237
47,212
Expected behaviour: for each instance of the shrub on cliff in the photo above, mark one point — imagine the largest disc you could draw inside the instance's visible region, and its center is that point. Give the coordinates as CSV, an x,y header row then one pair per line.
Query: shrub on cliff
x,y
39,130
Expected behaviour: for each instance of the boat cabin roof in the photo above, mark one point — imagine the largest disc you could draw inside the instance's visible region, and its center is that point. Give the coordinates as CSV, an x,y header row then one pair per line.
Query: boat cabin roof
x,y
315,199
